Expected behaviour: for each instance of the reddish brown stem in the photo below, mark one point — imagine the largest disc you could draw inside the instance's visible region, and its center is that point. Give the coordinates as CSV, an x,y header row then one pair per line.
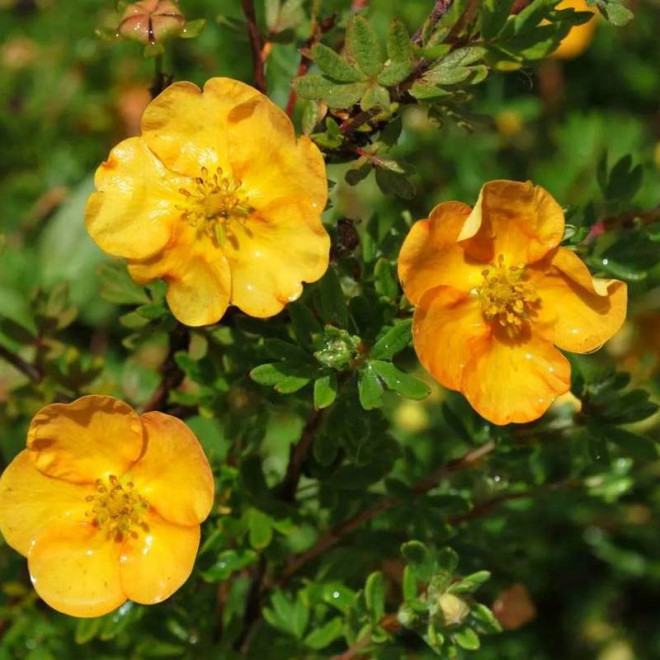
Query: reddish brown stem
x,y
256,43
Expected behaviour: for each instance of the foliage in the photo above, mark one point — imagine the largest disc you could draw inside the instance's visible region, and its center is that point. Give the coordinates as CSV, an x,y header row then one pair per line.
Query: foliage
x,y
360,509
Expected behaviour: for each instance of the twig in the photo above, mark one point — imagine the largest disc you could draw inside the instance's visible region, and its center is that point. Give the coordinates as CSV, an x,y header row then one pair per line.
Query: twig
x,y
440,8
171,375
519,5
318,30
297,456
21,365
252,608
257,45
334,535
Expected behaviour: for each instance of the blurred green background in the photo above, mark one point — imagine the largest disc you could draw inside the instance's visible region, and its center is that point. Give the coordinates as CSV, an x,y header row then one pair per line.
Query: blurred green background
x,y
592,569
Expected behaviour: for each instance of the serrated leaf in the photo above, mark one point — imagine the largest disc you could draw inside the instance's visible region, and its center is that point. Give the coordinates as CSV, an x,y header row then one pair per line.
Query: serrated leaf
x,y
334,65
393,341
325,391
362,46
400,382
370,389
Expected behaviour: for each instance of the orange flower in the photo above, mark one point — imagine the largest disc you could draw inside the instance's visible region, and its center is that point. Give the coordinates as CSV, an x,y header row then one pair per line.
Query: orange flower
x,y
218,198
494,292
580,36
105,504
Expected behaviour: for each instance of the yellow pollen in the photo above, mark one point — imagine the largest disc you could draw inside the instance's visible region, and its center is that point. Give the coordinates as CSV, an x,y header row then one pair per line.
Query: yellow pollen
x,y
507,298
215,204
117,508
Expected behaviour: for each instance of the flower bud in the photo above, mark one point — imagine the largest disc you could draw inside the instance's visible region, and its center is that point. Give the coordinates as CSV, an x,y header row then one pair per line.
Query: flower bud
x,y
152,21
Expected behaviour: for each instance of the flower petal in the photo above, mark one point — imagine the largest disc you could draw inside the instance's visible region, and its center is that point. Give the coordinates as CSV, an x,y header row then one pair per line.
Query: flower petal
x,y
174,474
587,311
30,501
75,570
515,380
88,439
446,325
268,159
519,221
197,275
431,256
158,562
133,212
282,246
186,128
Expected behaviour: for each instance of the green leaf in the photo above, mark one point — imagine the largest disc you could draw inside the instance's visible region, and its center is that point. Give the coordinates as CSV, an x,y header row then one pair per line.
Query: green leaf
x,y
362,46
333,305
305,324
419,559
87,629
393,183
354,175
375,97
300,617
117,286
470,583
374,595
334,66
393,74
321,637
227,563
285,378
409,584
335,95
616,13
260,529
636,446
467,639
399,48
400,382
325,391
485,618
283,350
385,279
395,339
370,389
193,29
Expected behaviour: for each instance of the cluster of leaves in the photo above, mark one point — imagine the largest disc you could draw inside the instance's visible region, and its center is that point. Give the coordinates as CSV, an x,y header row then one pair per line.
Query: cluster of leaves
x,y
282,565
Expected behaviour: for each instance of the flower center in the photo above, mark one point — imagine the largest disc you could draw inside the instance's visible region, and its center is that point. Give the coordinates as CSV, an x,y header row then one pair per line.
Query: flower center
x,y
506,297
117,508
216,205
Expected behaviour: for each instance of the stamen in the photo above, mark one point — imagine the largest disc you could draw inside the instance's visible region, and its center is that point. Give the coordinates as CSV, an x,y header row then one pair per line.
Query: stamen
x,y
117,508
506,297
215,206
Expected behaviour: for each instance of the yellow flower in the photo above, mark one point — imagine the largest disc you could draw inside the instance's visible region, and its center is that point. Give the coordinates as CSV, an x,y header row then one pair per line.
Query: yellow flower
x,y
495,294
580,36
105,504
218,198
